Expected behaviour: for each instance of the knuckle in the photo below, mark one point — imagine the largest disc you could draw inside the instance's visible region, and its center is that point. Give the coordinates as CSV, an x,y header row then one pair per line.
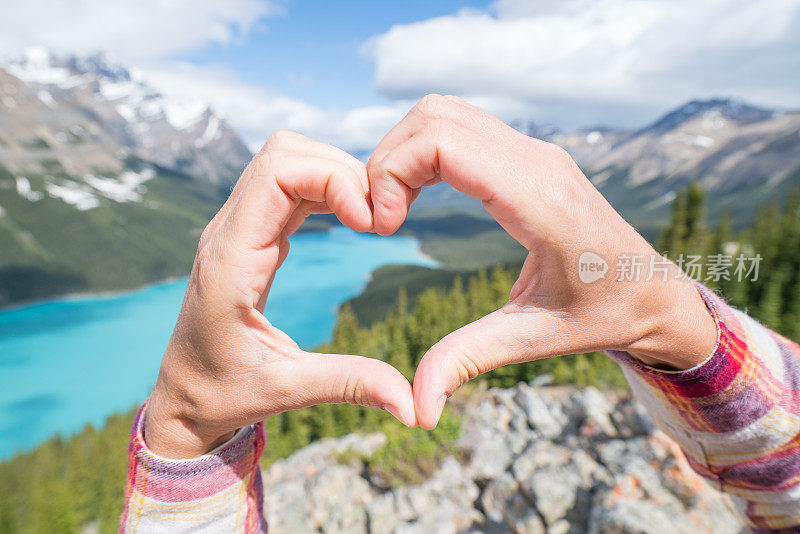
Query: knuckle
x,y
431,104
440,128
206,236
454,100
467,368
558,154
353,391
277,139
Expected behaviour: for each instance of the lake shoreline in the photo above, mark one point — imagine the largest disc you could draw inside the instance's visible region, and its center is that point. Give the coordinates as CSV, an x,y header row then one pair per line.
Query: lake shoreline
x,y
59,355
86,295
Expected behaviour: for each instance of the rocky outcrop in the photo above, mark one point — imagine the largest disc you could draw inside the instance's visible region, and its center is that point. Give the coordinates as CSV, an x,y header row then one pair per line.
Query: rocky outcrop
x,y
530,460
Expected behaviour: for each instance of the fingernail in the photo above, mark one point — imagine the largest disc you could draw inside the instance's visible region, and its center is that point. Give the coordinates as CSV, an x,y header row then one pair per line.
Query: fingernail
x,y
439,408
395,412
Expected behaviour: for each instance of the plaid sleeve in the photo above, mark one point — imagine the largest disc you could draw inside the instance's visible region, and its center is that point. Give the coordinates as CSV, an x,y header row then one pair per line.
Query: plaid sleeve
x,y
217,492
736,416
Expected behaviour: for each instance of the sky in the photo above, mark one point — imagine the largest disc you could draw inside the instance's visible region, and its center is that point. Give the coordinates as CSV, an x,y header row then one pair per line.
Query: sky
x,y
344,72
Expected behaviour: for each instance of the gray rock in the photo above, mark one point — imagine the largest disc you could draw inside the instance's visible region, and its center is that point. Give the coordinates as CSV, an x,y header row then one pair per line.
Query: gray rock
x,y
632,419
496,495
382,513
539,454
561,526
630,516
590,406
522,517
554,490
540,417
488,440
616,454
552,461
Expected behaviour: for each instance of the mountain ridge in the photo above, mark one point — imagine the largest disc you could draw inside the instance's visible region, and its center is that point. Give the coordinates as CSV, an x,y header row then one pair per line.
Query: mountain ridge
x,y
741,154
105,183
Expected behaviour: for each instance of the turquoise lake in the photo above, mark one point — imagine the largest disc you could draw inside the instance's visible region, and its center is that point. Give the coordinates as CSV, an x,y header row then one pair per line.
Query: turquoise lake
x,y
68,362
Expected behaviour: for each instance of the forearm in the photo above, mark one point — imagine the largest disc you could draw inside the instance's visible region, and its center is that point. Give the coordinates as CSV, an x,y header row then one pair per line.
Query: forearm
x,y
736,414
216,492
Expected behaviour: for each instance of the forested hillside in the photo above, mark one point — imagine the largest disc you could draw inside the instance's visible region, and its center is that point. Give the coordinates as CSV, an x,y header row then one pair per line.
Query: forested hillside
x,y
64,484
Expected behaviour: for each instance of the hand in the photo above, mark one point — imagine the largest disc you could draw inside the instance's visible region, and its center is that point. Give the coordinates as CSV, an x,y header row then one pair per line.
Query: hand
x,y
539,196
226,366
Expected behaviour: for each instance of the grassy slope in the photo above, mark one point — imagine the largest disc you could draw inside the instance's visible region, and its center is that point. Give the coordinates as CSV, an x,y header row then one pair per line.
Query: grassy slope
x,y
49,247
380,294
463,241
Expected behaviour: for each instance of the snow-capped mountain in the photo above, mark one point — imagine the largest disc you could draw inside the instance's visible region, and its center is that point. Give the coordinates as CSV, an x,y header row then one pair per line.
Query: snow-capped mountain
x,y
90,113
104,182
742,155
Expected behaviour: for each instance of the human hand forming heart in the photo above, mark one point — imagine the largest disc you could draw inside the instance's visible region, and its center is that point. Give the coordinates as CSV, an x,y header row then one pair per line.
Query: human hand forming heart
x,y
226,366
542,199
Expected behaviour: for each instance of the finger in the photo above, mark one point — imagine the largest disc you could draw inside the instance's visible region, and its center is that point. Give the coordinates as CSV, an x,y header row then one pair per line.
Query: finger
x,y
273,194
338,378
440,150
301,213
287,141
429,107
497,339
395,198
294,143
258,222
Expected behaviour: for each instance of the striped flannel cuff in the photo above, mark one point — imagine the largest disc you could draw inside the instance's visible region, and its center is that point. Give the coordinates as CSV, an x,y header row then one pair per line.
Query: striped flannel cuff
x,y
225,482
703,395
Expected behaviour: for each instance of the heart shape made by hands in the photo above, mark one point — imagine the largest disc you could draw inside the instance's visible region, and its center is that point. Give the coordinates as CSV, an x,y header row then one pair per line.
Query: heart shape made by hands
x,y
226,366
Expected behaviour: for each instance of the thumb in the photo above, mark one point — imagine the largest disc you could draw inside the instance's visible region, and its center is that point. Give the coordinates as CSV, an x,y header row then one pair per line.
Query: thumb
x,y
340,378
497,339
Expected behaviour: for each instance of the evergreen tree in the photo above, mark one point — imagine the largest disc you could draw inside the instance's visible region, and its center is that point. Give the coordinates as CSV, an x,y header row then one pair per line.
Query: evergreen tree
x,y
346,331
673,236
771,303
791,321
719,239
696,233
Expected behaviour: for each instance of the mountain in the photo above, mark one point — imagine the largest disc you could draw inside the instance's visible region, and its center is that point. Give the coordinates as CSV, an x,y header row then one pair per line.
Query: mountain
x,y
90,113
741,155
104,182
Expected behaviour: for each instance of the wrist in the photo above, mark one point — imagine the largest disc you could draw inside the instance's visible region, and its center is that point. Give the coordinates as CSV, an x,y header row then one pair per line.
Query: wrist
x,y
171,433
681,331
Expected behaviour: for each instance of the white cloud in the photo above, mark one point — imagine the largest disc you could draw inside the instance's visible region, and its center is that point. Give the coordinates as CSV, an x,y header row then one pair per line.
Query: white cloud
x,y
590,60
568,62
149,34
256,111
143,30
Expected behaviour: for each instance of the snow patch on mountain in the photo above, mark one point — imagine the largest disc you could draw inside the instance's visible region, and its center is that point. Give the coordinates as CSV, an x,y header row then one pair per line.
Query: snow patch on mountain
x,y
25,190
211,131
46,98
36,66
183,114
78,195
594,137
126,188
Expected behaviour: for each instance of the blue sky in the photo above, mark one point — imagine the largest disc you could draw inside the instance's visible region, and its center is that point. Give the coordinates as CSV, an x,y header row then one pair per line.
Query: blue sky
x,y
312,50
344,72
